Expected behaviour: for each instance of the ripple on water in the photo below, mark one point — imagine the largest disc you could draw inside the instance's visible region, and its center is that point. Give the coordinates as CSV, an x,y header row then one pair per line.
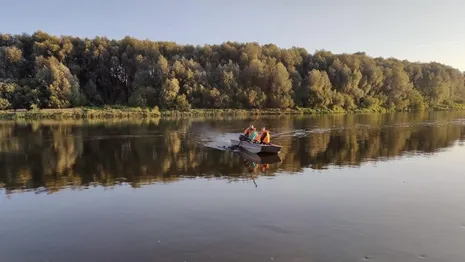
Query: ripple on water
x,y
274,228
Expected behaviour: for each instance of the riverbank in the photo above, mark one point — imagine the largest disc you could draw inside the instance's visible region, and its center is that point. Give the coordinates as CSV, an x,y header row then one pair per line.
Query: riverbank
x,y
128,112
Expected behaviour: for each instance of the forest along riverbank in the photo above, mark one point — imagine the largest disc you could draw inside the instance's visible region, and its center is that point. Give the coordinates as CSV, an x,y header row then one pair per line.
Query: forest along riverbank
x,y
44,71
125,112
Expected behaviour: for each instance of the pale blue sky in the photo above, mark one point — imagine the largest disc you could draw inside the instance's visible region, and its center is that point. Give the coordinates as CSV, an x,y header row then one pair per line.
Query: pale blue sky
x,y
418,30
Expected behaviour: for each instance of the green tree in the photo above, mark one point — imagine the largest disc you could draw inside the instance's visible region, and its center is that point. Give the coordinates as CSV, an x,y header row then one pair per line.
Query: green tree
x,y
280,88
169,93
396,86
318,89
57,79
11,59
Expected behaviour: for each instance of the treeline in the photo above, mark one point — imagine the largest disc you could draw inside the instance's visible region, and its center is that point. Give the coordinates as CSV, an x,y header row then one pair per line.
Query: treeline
x,y
44,71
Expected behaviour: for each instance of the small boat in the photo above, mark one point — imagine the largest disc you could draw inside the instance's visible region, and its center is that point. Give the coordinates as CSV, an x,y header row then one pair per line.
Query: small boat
x,y
255,147
267,158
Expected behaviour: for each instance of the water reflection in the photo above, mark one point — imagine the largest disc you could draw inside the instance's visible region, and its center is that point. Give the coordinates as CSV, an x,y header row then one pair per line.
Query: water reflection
x,y
56,154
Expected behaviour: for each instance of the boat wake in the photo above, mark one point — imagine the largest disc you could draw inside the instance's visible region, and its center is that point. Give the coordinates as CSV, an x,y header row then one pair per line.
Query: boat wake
x,y
301,132
219,141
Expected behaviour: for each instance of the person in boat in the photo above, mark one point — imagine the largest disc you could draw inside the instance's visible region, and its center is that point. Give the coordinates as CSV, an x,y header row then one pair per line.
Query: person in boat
x,y
253,136
265,137
248,131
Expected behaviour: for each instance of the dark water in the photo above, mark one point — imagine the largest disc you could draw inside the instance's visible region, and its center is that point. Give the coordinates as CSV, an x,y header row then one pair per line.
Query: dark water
x,y
346,188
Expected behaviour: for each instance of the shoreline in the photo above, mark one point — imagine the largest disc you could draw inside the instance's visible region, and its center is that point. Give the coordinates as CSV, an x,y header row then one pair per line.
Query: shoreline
x,y
129,112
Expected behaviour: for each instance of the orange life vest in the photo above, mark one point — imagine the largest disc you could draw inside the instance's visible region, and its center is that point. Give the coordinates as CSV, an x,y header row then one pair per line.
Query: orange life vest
x,y
264,167
265,137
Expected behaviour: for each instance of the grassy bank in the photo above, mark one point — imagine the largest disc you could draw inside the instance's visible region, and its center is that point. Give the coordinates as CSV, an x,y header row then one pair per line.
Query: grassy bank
x,y
128,112
81,113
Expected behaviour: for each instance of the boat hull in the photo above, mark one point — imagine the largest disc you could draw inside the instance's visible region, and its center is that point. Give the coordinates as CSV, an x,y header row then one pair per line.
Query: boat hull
x,y
256,148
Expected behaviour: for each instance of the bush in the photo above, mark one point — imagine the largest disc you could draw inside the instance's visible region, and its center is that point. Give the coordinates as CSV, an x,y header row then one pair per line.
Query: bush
x,y
156,111
182,104
4,104
338,109
34,107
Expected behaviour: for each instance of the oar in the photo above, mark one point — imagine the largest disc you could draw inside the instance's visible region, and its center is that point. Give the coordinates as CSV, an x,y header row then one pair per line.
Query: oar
x,y
239,143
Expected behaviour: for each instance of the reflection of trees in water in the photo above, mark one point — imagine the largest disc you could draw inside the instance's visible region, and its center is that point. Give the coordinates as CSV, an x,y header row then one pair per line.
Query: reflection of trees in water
x,y
350,140
55,154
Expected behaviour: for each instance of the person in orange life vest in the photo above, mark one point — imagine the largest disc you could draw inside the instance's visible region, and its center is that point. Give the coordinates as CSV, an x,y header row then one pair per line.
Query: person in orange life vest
x,y
265,136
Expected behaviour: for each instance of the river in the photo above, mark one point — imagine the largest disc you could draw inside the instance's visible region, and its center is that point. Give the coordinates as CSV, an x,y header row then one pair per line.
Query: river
x,y
380,187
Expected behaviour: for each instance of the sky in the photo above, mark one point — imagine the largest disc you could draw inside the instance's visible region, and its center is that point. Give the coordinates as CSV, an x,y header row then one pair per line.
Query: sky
x,y
416,30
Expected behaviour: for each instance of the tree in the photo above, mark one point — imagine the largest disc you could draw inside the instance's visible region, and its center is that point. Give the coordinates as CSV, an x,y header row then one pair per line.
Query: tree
x,y
169,94
280,88
396,87
17,96
11,59
143,97
57,79
318,87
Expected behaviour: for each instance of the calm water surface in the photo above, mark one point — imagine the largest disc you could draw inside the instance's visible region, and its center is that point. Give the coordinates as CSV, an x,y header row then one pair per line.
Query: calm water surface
x,y
345,188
